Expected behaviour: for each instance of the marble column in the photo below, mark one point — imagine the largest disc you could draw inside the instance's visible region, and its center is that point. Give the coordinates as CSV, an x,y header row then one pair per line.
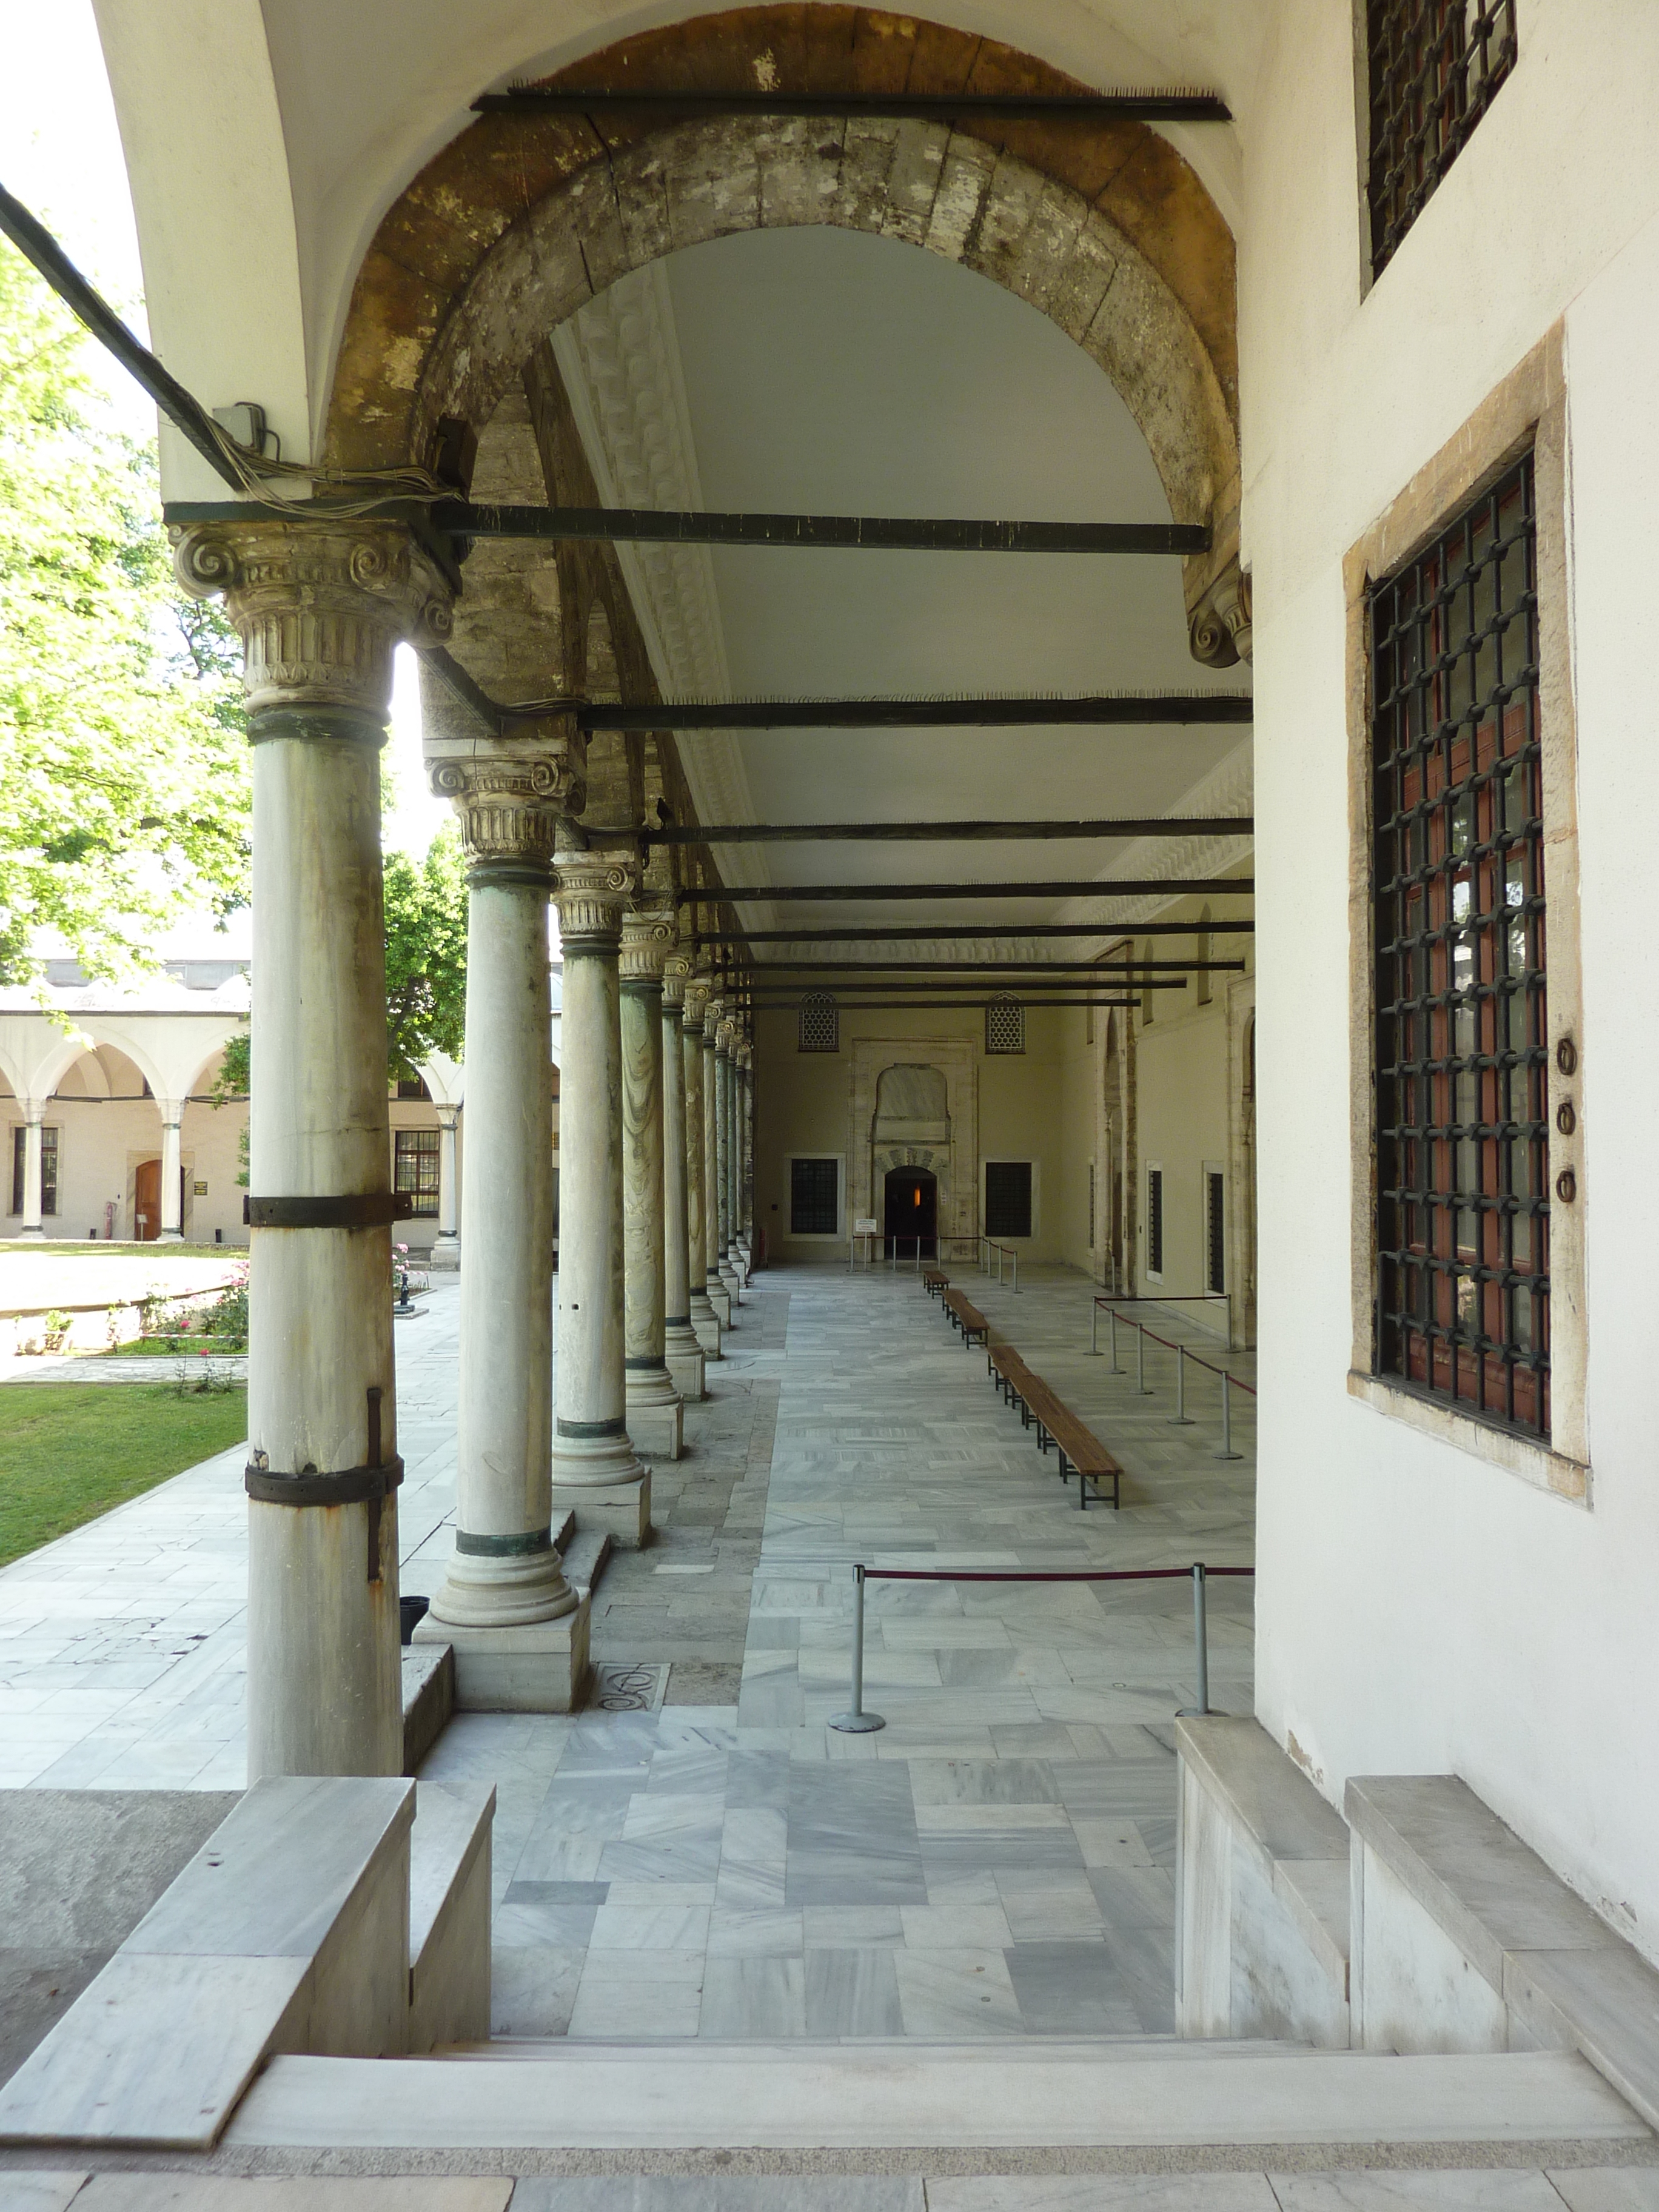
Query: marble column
x,y
681,1349
33,1222
172,1194
746,1149
655,1409
705,1322
319,608
520,1633
725,1037
720,1290
447,1246
595,1467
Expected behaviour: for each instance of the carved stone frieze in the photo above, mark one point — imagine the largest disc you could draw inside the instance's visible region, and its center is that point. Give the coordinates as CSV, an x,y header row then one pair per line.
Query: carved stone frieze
x,y
1219,631
319,606
591,890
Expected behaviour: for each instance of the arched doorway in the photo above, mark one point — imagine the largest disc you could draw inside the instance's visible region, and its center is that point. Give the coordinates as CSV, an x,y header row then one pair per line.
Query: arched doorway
x,y
912,1210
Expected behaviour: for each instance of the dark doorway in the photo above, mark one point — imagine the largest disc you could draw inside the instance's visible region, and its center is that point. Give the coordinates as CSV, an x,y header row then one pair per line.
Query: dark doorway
x,y
912,1211
147,1201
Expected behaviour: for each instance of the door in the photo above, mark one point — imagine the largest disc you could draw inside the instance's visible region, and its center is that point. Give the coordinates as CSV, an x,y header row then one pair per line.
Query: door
x,y
912,1210
147,1201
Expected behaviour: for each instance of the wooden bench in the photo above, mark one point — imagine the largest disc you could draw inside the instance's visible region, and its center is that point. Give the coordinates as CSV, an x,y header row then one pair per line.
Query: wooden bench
x,y
934,1279
967,1318
1080,1450
1009,1372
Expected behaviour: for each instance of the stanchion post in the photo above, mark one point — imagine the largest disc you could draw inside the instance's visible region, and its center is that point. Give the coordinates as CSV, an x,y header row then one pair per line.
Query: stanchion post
x,y
1180,1418
1201,1643
1094,1328
1116,1369
856,1720
1227,1451
1141,1390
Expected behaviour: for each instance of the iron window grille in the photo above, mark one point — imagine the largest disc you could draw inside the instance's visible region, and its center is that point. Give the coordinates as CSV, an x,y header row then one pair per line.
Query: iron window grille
x,y
1091,1206
1215,1232
1435,68
818,1026
814,1197
1004,1024
415,1170
1462,1148
1155,1222
1007,1198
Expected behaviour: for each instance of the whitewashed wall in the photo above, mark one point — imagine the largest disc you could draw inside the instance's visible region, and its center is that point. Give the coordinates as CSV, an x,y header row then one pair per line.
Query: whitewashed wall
x,y
1419,1609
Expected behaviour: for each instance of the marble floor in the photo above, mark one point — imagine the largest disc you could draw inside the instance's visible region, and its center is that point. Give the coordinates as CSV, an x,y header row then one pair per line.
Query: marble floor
x,y
997,1862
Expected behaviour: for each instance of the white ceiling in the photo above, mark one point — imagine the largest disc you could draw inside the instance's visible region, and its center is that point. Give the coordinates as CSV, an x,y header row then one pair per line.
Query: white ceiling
x,y
832,371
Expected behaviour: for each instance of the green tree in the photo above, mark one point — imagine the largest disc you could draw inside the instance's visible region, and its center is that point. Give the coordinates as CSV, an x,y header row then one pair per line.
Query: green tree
x,y
425,955
123,781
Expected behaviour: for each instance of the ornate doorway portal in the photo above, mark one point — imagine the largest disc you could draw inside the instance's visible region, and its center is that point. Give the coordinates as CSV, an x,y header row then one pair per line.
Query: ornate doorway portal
x,y
913,1209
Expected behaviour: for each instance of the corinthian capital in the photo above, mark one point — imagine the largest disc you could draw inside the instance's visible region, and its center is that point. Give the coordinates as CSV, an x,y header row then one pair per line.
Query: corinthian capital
x,y
319,605
592,890
647,938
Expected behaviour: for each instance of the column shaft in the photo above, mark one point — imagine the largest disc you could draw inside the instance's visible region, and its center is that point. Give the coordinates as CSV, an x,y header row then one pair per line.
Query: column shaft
x,y
719,1294
32,1221
680,1346
171,1175
654,1407
445,1250
595,1468
704,1319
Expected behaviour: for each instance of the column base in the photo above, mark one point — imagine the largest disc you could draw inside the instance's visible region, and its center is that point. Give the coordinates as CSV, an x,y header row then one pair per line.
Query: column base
x,y
684,1355
719,1297
705,1325
732,1278
621,1510
655,1413
542,1668
30,1235
445,1254
170,1236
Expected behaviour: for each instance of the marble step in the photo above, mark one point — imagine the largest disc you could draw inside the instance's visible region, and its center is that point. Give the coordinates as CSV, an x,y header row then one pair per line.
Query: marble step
x,y
586,1557
449,1912
965,2097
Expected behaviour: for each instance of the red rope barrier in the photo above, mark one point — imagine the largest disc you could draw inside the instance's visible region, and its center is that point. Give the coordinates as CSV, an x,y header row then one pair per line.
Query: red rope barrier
x,y
1043,1575
1238,1380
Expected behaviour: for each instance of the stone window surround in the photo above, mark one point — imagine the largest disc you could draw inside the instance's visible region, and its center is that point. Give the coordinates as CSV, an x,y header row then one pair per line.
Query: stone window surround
x,y
792,1236
1156,1168
1528,407
957,1059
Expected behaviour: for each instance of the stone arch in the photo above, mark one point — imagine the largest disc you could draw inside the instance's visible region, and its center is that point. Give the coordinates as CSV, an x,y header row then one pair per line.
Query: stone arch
x,y
520,220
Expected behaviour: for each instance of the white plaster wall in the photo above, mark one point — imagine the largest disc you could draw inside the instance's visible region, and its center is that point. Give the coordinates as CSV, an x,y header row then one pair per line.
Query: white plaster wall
x,y
1418,1609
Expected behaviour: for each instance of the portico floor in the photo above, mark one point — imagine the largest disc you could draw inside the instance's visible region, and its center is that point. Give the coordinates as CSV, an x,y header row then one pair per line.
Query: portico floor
x,y
996,1862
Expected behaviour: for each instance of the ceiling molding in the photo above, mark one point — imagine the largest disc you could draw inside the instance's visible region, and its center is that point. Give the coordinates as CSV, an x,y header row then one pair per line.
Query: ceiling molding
x,y
1229,788
620,360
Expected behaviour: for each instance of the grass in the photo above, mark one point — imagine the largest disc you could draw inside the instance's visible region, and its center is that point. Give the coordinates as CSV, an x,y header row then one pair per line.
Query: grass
x,y
69,1452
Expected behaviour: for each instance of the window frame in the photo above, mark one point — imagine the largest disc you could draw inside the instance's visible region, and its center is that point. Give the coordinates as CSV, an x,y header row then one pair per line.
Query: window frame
x,y
1011,1009
1156,1219
419,1152
1216,1229
1378,250
1007,1237
838,1234
818,1004
1527,408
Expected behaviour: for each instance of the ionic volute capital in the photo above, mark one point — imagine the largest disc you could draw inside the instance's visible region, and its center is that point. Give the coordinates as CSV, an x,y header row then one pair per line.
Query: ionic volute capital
x,y
676,975
647,938
592,888
1219,630
510,794
696,1004
319,606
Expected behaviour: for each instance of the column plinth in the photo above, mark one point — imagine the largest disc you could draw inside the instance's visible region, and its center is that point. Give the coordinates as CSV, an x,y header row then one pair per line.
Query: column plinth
x,y
519,1633
319,608
596,1468
681,1348
655,1409
705,1320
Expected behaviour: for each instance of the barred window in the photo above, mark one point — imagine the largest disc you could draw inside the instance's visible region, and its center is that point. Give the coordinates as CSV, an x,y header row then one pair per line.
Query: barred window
x,y
1007,1198
416,1159
1091,1206
1004,1024
1215,1232
1435,67
1462,1152
814,1197
1155,1222
818,1024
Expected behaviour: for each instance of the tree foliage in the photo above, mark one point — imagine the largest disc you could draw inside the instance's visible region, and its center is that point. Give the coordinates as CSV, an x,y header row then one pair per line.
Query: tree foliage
x,y
425,955
123,782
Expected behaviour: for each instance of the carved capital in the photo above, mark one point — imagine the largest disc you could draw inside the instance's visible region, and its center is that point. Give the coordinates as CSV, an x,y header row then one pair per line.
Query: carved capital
x,y
725,1039
1219,632
713,1015
591,890
510,796
696,1004
319,606
647,938
676,975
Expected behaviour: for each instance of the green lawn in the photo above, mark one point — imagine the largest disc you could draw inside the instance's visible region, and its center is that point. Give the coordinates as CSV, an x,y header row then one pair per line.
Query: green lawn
x,y
69,1451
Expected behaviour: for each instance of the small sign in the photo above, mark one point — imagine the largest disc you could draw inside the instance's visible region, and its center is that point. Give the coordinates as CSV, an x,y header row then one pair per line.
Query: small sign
x,y
201,1190
864,1227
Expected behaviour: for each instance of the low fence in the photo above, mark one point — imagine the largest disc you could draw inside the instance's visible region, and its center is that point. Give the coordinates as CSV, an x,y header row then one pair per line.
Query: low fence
x,y
1184,1355
855,1720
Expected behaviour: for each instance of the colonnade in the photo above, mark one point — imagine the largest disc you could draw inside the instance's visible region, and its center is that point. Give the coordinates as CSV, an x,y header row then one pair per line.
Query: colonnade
x,y
654,1097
